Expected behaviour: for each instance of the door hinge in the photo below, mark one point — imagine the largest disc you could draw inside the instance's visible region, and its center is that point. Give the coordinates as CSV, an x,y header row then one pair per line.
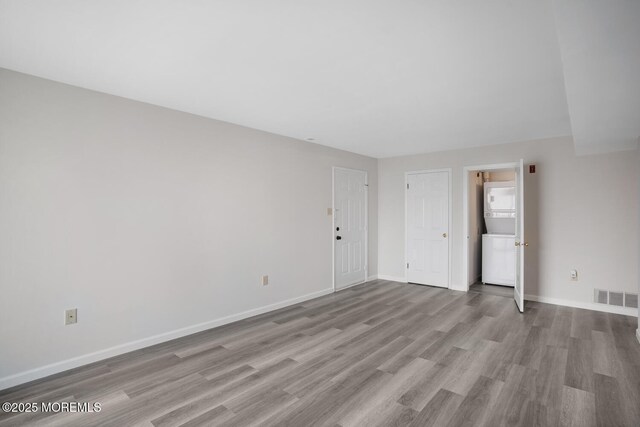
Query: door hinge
x,y
407,265
407,186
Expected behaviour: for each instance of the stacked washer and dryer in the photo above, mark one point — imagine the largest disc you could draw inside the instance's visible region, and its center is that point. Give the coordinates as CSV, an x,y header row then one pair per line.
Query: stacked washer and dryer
x,y
498,244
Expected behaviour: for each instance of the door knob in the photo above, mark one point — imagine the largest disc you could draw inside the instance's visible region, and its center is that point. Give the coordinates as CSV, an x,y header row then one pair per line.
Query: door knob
x,y
526,244
338,237
522,244
444,235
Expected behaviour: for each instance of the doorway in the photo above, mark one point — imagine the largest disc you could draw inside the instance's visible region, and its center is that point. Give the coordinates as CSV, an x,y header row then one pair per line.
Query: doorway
x,y
428,219
350,225
493,244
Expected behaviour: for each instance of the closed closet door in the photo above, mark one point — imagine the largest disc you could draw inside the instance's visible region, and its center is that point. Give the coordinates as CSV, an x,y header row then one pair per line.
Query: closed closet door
x,y
427,219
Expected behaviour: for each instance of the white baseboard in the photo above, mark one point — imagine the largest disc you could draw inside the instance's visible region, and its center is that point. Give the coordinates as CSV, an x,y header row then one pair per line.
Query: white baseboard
x,y
628,311
392,278
404,280
374,277
64,365
351,286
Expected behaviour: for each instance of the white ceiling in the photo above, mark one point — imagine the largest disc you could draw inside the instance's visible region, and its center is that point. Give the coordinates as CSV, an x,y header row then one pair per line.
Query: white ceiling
x,y
376,77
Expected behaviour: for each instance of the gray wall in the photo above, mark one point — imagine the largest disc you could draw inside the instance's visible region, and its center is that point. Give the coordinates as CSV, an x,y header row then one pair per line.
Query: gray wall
x,y
580,212
152,222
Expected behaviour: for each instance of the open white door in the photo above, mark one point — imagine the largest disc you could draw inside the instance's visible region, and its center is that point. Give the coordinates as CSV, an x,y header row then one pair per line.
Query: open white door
x,y
349,226
428,228
518,289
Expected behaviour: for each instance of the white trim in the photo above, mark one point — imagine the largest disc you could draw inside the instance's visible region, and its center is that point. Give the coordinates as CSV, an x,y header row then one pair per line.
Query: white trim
x,y
392,278
406,228
638,334
366,225
518,294
373,277
461,288
465,210
449,225
333,225
64,365
628,311
350,286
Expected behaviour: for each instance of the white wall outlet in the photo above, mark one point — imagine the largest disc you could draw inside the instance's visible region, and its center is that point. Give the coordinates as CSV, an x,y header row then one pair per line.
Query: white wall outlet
x,y
574,275
265,280
71,316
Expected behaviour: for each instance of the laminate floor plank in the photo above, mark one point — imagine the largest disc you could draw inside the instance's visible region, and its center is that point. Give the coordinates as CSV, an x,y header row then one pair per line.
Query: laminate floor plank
x,y
582,323
578,408
377,354
560,330
550,377
439,410
213,416
403,357
611,408
475,409
604,354
383,401
465,371
431,382
579,370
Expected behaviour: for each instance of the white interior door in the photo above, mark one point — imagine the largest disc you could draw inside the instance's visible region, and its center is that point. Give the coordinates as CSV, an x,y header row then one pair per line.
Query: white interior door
x,y
427,219
349,226
518,289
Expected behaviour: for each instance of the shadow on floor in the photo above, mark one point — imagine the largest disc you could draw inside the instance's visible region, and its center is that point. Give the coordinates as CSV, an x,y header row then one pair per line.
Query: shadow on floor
x,y
503,291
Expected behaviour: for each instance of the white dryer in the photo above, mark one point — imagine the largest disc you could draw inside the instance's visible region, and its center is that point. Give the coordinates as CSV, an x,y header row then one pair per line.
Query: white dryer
x,y
500,207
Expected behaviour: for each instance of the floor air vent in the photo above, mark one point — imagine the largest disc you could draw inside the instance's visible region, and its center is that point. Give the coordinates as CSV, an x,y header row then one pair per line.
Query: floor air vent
x,y
620,299
600,296
616,298
630,300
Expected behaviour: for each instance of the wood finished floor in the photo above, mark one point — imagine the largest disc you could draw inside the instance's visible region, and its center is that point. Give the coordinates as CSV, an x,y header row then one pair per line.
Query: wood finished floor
x,y
383,354
501,291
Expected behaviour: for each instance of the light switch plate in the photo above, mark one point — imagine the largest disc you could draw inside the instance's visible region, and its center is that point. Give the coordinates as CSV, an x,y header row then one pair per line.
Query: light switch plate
x,y
265,280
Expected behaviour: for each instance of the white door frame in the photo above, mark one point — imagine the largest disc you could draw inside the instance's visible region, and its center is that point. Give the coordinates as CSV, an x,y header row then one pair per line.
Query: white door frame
x,y
333,225
465,210
406,254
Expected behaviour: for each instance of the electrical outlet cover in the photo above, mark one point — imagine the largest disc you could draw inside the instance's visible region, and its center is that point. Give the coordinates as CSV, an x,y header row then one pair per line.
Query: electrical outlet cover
x,y
71,316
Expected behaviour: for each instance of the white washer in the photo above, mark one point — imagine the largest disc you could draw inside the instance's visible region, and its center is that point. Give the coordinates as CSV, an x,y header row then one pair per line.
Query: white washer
x,y
499,259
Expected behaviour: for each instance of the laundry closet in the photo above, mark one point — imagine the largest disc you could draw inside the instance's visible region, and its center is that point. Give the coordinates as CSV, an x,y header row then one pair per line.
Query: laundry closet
x,y
492,227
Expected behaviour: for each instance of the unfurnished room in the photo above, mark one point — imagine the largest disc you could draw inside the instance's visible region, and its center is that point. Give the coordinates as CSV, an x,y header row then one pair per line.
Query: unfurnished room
x,y
319,213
